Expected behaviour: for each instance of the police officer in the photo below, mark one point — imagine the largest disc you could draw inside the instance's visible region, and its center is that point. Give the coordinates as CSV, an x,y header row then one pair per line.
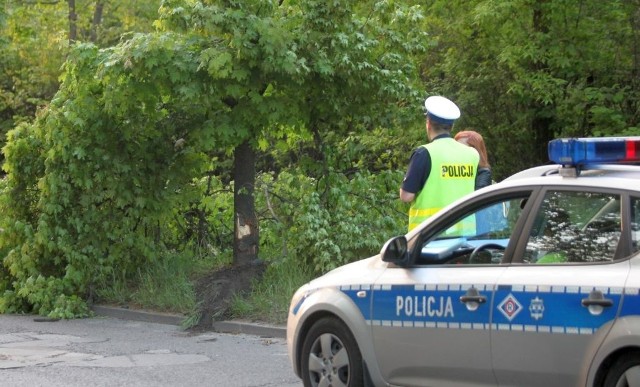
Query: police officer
x,y
442,170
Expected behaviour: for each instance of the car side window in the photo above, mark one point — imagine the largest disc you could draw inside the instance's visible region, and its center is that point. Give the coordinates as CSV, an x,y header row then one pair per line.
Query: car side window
x,y
575,227
480,237
635,224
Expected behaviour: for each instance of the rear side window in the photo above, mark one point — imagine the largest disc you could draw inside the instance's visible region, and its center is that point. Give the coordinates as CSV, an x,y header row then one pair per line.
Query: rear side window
x,y
575,227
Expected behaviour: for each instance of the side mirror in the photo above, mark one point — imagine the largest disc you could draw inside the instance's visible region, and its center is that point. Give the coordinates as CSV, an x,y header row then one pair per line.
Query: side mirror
x,y
395,251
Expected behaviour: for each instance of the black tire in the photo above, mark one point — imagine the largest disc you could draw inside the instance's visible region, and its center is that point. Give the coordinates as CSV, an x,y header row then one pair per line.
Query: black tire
x,y
330,356
625,372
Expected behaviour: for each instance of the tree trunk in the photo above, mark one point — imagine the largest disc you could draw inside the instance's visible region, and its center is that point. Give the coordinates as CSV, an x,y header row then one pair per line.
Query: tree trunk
x,y
73,18
543,116
634,104
97,20
246,233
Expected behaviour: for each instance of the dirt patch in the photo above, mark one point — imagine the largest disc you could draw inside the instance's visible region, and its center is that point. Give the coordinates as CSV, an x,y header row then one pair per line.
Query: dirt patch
x,y
215,290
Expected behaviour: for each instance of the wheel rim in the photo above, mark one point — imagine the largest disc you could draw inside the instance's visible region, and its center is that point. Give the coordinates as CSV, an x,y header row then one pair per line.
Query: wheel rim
x,y
328,362
630,378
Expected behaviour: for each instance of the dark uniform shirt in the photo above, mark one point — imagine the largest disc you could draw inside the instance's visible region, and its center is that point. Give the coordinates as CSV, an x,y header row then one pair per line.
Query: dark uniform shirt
x,y
419,168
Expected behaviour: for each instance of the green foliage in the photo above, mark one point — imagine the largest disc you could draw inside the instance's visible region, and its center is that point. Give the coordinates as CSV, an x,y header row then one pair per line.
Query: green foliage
x,y
99,183
351,221
166,285
312,65
124,176
304,235
34,39
270,298
206,226
30,64
119,17
530,71
330,221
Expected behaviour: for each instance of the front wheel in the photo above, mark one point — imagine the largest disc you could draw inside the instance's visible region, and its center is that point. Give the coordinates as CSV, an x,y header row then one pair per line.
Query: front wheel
x,y
625,372
330,356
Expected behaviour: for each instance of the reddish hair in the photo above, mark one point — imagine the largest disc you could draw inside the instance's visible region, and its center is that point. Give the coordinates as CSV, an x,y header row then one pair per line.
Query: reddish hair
x,y
474,140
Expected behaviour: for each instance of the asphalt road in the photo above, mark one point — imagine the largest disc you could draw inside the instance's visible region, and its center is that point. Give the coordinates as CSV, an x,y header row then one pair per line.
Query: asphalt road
x,y
109,351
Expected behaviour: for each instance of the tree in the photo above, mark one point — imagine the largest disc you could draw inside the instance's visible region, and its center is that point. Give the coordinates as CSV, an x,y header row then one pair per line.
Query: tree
x,y
117,150
313,65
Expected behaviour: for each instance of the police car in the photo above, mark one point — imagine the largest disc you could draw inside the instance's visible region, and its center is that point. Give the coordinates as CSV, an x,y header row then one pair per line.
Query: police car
x,y
544,292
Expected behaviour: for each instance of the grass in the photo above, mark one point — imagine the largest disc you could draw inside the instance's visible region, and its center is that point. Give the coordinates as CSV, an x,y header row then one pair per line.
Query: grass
x,y
269,300
164,286
167,286
165,289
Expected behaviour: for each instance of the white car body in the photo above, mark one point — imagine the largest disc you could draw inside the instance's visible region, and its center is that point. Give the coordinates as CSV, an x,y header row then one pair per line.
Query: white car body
x,y
506,321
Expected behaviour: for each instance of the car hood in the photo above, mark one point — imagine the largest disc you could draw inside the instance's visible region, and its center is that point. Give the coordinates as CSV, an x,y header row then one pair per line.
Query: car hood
x,y
365,271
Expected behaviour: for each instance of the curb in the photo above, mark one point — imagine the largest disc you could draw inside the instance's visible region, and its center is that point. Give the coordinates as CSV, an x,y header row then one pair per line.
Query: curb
x,y
137,315
249,328
233,327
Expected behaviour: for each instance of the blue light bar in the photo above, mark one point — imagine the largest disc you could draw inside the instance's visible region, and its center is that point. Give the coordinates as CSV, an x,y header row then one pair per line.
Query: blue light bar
x,y
581,151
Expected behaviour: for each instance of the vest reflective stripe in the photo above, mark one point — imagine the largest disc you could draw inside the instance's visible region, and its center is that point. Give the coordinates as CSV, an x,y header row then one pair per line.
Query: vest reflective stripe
x,y
417,214
466,227
450,178
422,212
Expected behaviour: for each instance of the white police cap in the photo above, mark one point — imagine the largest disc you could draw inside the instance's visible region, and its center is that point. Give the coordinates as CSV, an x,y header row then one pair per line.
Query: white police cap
x,y
441,110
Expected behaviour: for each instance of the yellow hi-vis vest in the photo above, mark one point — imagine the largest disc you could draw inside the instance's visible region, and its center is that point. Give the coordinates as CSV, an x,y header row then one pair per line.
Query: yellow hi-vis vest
x,y
453,175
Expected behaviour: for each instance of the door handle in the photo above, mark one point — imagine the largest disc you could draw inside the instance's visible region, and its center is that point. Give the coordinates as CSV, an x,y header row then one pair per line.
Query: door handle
x,y
472,299
605,302
596,302
478,299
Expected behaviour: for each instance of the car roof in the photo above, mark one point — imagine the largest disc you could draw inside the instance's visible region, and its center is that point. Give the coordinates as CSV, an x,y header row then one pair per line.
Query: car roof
x,y
600,175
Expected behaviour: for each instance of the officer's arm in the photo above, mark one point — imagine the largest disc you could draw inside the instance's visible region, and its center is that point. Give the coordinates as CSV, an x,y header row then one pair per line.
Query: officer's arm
x,y
417,174
406,196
